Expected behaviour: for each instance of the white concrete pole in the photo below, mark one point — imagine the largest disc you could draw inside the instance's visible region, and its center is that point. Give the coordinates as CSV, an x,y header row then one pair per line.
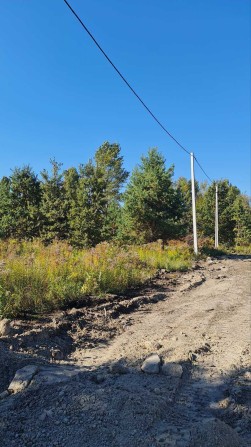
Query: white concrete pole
x,y
216,218
195,240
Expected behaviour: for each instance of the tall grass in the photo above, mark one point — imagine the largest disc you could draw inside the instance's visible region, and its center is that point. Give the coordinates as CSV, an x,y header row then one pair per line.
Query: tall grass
x,y
36,279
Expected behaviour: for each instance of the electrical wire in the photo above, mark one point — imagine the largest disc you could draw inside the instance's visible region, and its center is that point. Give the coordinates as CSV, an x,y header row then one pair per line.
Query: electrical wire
x,y
124,79
131,88
203,170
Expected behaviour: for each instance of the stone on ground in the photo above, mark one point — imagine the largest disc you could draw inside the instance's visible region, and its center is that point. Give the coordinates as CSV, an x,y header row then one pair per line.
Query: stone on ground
x,y
151,365
5,327
22,378
172,369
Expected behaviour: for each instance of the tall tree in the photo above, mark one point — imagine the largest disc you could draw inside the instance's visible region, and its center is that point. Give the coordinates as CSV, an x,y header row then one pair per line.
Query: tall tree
x,y
5,208
185,198
87,213
96,206
53,204
109,168
25,196
242,220
227,194
151,206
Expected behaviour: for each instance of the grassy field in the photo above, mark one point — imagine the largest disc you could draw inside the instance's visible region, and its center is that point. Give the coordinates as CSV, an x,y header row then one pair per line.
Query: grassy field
x,y
36,279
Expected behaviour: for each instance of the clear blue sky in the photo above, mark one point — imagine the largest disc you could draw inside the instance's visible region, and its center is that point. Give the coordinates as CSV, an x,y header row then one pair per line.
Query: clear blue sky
x,y
187,59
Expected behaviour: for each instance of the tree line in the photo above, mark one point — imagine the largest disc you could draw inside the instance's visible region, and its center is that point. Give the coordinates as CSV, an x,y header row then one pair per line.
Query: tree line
x,y
99,201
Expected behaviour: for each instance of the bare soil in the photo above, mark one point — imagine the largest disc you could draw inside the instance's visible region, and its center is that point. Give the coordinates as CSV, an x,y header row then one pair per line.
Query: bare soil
x,y
90,390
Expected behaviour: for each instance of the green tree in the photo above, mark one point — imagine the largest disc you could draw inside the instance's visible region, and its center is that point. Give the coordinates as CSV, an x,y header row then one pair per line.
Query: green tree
x,y
109,164
53,204
151,203
227,194
5,208
87,213
95,209
183,187
110,170
242,220
25,196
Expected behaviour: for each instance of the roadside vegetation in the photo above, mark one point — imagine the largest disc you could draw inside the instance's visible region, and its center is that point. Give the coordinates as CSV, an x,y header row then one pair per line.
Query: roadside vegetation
x,y
92,230
35,278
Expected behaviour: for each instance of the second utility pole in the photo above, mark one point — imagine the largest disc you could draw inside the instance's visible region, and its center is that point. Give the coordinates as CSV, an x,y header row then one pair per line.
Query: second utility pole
x,y
216,218
195,241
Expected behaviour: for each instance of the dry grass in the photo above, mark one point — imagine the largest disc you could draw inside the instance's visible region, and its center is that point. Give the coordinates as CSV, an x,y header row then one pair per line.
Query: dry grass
x,y
36,279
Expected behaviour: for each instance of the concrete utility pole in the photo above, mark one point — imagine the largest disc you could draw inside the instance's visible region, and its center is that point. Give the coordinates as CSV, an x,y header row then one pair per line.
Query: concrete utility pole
x,y
195,240
216,218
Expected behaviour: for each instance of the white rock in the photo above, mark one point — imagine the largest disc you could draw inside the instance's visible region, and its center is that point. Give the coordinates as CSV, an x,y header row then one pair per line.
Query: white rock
x,y
5,327
172,369
152,364
22,378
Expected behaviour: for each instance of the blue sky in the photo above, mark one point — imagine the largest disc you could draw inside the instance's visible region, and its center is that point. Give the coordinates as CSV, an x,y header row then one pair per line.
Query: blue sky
x,y
187,59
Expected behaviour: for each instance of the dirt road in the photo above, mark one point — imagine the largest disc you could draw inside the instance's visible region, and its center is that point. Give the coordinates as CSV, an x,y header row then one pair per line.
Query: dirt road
x,y
197,322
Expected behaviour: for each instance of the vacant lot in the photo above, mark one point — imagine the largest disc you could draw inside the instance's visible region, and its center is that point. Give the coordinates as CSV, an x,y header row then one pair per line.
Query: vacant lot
x,y
198,322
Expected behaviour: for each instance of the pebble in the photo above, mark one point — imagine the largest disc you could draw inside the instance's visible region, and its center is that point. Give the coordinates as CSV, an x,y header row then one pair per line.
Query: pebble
x,y
172,369
118,368
5,327
151,365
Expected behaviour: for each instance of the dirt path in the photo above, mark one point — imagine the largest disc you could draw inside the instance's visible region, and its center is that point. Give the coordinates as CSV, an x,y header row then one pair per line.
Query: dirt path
x,y
200,322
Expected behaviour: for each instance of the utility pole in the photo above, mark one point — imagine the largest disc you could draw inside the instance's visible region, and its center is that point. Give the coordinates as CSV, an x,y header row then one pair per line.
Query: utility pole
x,y
216,218
195,241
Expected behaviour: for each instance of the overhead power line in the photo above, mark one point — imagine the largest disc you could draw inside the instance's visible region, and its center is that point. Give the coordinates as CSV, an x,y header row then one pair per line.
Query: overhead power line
x,y
203,170
124,79
131,88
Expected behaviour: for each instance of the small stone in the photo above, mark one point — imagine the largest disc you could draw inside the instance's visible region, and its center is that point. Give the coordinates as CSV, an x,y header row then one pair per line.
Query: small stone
x,y
172,369
5,328
22,378
191,356
158,346
57,354
152,364
247,375
157,391
118,368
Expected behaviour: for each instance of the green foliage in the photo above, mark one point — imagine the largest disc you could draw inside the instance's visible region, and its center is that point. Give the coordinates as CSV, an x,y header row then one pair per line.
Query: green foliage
x,y
227,194
25,200
151,205
86,206
242,221
183,187
53,205
95,209
170,258
5,208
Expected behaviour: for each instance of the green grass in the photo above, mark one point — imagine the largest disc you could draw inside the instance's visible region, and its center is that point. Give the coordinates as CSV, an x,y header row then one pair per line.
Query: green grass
x,y
36,279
